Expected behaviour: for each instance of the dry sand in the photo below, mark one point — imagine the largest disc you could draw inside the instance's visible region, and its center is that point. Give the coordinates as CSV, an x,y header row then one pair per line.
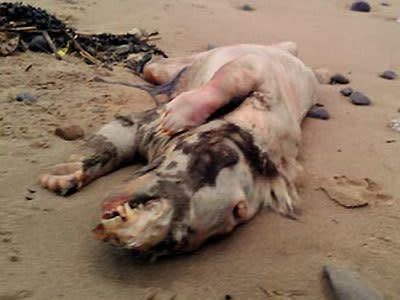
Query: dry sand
x,y
46,248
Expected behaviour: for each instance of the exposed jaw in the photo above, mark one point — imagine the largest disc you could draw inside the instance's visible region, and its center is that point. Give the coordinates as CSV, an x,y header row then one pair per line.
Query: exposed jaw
x,y
139,228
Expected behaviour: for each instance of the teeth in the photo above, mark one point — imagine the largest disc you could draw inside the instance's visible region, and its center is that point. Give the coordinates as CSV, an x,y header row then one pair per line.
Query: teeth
x,y
121,211
131,214
111,223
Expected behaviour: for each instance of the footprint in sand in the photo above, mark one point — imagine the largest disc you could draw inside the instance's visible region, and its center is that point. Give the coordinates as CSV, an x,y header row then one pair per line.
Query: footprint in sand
x,y
353,193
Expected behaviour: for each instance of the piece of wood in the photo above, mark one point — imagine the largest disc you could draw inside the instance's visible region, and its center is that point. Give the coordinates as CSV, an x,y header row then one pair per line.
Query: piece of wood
x,y
51,44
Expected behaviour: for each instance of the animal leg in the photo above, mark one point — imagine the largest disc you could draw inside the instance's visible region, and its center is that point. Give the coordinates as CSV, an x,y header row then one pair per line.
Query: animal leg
x,y
237,78
105,151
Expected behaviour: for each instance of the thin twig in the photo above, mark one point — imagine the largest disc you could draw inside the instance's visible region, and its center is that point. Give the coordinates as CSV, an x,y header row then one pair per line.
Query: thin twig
x,y
51,44
82,51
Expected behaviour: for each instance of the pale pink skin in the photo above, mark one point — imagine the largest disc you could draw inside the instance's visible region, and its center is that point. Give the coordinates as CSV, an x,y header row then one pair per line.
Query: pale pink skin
x,y
280,90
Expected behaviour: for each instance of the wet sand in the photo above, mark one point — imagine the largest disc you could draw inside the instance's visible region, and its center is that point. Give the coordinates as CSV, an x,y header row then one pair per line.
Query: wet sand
x,y
46,248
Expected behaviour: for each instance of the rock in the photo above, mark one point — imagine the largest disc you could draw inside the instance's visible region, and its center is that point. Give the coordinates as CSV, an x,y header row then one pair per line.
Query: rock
x,y
347,285
317,112
339,79
395,125
346,91
211,46
26,98
39,44
385,3
342,194
247,7
14,258
361,6
70,133
137,31
389,74
358,98
323,75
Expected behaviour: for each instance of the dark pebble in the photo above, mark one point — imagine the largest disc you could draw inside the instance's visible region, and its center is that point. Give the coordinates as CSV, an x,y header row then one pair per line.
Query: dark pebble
x,y
388,74
247,7
26,97
14,258
31,190
385,3
358,98
347,285
28,198
39,44
317,112
339,79
211,46
228,297
70,133
361,6
346,91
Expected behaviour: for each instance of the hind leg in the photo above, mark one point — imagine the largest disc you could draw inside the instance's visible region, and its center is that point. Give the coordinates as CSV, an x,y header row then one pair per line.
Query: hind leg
x,y
163,70
104,152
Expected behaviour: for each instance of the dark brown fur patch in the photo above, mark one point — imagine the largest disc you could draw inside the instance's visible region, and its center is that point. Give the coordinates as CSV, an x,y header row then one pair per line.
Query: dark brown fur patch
x,y
258,160
103,151
207,159
210,154
171,165
125,121
175,192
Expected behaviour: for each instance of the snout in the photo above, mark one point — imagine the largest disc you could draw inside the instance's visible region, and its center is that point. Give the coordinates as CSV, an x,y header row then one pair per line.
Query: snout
x,y
135,226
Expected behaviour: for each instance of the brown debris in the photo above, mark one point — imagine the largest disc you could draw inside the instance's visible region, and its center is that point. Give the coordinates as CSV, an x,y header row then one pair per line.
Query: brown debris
x,y
70,133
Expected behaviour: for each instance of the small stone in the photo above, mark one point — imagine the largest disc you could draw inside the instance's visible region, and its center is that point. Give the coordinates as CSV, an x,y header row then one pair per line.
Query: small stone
x,y
26,98
395,125
385,3
361,6
39,44
228,297
70,133
389,74
28,198
339,79
247,7
31,190
323,75
346,91
358,98
347,284
317,112
14,258
211,46
138,32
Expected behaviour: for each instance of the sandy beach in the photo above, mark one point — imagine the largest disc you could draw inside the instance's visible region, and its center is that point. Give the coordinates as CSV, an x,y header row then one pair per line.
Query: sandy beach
x,y
47,250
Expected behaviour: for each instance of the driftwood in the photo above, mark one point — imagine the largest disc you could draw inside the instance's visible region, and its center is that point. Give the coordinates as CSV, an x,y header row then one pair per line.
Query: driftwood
x,y
100,49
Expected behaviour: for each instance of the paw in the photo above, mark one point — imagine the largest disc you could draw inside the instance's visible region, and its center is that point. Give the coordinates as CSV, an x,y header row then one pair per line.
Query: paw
x,y
282,197
63,178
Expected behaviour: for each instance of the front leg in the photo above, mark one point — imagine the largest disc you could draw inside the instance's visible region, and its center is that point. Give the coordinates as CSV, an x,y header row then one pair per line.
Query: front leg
x,y
108,149
237,78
